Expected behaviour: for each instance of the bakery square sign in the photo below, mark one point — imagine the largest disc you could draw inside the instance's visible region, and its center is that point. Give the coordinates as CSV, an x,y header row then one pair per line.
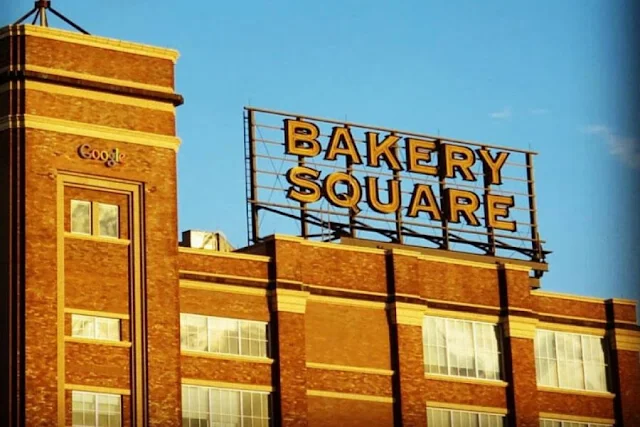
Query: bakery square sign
x,y
339,179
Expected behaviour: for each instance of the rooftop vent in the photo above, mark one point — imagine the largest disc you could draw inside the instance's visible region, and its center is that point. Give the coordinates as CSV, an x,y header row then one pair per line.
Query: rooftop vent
x,y
214,241
40,9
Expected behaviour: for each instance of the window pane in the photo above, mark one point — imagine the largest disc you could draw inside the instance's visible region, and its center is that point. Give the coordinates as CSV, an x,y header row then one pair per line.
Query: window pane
x,y
82,326
594,363
115,420
108,220
108,329
226,408
77,418
80,217
224,335
193,332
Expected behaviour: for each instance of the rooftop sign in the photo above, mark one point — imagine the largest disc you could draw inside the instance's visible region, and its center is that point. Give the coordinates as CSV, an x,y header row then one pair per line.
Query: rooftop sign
x,y
330,179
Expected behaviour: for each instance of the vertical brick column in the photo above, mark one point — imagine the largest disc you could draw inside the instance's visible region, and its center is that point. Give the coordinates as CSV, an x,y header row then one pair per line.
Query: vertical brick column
x,y
290,374
288,306
406,316
408,363
519,327
624,339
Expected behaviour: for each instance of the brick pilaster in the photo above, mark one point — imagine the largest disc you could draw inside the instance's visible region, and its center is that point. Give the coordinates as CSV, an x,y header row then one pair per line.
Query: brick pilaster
x,y
289,371
519,327
408,364
624,367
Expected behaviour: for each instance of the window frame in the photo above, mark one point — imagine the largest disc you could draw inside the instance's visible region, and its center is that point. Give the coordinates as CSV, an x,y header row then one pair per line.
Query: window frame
x,y
210,414
563,423
95,229
450,412
239,322
496,327
605,361
96,412
94,327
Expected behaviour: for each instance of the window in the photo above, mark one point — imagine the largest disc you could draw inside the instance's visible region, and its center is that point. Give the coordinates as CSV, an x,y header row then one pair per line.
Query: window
x,y
108,220
571,361
448,418
80,217
558,423
101,328
96,409
207,406
106,223
461,348
224,336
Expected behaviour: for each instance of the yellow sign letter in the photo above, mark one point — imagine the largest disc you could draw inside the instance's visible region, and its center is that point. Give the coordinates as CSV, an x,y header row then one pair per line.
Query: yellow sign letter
x,y
300,138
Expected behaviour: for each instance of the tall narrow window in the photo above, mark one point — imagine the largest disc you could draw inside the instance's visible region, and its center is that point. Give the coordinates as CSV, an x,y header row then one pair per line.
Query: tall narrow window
x,y
80,217
108,220
209,406
223,335
102,328
96,409
461,348
573,361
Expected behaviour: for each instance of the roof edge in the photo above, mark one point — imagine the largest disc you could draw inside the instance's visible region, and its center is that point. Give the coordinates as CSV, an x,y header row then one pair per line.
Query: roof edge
x,y
90,40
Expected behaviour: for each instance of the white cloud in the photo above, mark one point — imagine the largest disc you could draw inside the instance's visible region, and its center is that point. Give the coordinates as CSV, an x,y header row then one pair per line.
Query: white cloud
x,y
539,111
505,113
625,148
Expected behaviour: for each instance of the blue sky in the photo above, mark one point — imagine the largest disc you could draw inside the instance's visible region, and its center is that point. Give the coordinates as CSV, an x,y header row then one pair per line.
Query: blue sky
x,y
552,76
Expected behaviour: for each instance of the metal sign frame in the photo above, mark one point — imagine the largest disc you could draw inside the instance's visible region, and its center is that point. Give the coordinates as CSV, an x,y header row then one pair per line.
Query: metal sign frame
x,y
266,131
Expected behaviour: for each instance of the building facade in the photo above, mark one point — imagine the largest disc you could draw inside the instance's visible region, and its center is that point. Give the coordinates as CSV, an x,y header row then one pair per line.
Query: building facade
x,y
109,320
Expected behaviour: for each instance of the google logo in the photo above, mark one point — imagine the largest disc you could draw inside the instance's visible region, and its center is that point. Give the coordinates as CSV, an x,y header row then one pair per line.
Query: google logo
x,y
110,158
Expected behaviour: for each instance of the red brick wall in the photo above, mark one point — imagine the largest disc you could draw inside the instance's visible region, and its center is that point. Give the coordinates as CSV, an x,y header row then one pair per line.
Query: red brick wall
x,y
339,268
564,307
411,385
232,371
291,369
563,403
223,265
221,304
97,365
465,393
349,382
628,379
326,411
459,283
96,276
101,113
99,62
353,336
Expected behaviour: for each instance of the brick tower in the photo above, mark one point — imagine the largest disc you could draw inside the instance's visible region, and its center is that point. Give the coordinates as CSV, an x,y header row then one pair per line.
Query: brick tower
x,y
87,144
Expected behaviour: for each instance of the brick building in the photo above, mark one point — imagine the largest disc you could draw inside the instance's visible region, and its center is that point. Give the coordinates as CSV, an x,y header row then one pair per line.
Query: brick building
x,y
109,320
